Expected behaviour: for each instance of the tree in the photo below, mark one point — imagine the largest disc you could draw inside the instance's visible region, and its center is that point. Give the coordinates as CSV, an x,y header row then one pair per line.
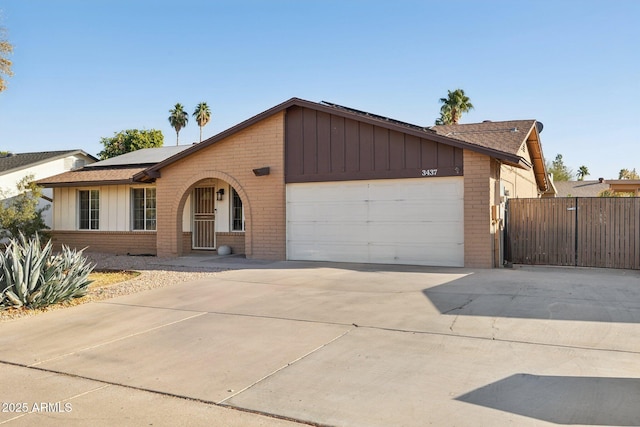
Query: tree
x,y
610,193
628,174
178,119
202,114
453,106
5,64
582,172
559,170
129,140
445,117
20,213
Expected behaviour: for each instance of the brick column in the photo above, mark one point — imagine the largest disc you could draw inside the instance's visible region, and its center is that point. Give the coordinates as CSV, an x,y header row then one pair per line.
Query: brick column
x,y
478,240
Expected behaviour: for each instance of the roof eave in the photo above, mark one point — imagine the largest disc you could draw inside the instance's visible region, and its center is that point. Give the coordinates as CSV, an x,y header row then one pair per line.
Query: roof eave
x,y
84,183
146,175
537,159
519,162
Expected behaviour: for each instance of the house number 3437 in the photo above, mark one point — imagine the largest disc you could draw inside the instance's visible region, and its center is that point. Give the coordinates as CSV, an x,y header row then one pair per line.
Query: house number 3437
x,y
429,172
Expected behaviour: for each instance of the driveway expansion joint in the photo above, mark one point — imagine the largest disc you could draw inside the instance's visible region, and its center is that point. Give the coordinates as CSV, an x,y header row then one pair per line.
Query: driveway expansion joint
x,y
61,356
106,384
269,375
493,338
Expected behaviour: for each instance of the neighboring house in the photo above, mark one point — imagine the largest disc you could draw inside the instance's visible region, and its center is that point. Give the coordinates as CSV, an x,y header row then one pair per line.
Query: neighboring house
x,y
14,167
312,181
580,188
625,187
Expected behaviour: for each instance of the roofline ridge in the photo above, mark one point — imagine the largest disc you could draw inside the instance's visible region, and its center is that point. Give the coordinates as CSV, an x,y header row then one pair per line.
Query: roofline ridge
x,y
416,130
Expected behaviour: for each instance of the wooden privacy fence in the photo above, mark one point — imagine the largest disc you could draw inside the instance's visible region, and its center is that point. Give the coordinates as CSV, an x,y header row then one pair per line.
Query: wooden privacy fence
x,y
575,231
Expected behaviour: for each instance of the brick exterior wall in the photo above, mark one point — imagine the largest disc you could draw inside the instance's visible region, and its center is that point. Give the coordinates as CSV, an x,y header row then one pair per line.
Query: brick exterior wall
x,y
186,242
234,240
232,160
479,187
115,242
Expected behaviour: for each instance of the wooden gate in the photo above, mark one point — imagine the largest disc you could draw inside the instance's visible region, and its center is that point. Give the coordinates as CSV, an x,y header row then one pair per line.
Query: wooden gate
x,y
576,231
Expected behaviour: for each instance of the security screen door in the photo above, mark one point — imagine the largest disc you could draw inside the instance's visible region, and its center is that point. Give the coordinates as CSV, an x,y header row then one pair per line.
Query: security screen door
x,y
204,236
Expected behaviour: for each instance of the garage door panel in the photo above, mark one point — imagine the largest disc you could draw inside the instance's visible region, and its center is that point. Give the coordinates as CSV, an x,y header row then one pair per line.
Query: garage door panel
x,y
348,191
323,232
417,189
401,221
329,252
400,210
314,212
352,234
419,233
413,255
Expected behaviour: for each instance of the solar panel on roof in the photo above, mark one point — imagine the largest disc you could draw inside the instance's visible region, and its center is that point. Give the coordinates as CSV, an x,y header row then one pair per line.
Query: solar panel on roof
x,y
144,156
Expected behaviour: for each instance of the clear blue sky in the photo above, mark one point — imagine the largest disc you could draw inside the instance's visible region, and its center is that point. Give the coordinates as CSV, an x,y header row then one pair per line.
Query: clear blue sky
x,y
85,69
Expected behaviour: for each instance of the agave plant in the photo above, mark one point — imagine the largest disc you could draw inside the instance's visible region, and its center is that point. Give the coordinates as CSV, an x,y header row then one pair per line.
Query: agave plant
x,y
31,277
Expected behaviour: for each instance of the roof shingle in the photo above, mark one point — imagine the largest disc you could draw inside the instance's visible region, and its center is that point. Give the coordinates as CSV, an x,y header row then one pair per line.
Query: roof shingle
x,y
580,188
507,136
21,160
91,176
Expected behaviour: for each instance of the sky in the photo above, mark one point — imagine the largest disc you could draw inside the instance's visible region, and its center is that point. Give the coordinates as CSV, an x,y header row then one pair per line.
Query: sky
x,y
86,69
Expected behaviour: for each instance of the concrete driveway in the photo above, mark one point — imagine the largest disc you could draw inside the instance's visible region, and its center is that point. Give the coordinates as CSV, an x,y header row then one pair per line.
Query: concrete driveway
x,y
293,343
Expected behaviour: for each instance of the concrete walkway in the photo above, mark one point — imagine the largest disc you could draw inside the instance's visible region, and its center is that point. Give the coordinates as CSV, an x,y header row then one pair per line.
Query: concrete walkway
x,y
294,343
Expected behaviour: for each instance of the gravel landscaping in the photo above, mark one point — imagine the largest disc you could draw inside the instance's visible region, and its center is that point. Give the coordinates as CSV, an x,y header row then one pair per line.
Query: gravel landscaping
x,y
153,274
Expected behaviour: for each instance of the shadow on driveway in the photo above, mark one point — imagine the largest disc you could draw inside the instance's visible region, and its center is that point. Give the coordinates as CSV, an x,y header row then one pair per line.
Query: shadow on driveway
x,y
563,399
543,293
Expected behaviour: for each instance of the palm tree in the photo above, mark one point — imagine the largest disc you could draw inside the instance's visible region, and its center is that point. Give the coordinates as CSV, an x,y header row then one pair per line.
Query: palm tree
x,y
445,116
202,115
582,172
628,174
453,106
178,119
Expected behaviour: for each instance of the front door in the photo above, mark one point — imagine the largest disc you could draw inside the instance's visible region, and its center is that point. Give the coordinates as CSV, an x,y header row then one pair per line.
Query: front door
x,y
204,234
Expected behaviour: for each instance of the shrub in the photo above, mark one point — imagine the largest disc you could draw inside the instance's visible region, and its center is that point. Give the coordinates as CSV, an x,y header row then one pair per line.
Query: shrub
x,y
19,211
31,277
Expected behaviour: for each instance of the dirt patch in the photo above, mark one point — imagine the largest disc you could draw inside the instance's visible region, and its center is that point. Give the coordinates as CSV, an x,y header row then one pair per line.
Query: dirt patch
x,y
103,278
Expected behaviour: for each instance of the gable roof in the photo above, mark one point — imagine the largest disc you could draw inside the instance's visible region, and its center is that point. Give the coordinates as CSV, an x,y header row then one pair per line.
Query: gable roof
x,y
580,188
505,136
116,170
13,162
503,152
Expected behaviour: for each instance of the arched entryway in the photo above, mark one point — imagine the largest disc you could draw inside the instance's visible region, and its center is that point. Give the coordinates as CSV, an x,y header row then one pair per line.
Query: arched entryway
x,y
209,211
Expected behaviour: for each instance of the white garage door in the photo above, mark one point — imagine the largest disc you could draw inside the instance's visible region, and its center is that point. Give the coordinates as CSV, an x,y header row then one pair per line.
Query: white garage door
x,y
394,221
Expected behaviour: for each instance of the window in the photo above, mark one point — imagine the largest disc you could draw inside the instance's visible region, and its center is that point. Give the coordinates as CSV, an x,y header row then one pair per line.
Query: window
x,y
144,208
237,212
89,213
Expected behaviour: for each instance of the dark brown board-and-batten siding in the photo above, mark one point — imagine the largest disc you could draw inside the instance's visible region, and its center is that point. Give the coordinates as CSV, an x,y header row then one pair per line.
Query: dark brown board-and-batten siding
x,y
327,147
